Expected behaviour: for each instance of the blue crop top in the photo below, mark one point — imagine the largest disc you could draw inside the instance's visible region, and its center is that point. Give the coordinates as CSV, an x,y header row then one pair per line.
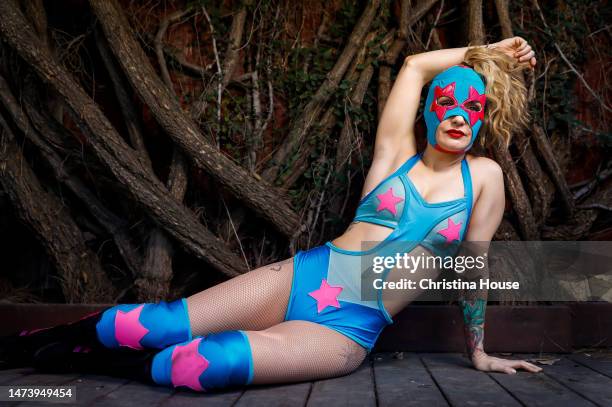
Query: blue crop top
x,y
397,204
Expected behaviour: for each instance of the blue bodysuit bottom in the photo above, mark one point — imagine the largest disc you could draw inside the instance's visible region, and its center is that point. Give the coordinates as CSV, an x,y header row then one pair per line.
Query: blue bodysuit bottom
x,y
326,290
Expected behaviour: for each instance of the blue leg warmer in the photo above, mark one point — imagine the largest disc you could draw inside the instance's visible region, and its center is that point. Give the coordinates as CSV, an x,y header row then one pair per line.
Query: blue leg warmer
x,y
212,362
139,326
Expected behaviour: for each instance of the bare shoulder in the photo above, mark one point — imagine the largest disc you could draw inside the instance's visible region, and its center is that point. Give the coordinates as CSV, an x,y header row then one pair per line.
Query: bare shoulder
x,y
484,165
485,172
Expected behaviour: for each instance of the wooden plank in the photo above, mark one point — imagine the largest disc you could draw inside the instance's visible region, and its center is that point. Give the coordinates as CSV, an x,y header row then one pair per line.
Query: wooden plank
x,y
405,382
462,384
549,328
355,389
186,398
599,362
538,389
418,328
41,379
134,394
89,387
288,395
12,374
591,324
590,384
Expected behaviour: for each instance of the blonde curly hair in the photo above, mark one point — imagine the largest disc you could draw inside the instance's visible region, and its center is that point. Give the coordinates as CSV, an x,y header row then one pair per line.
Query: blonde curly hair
x,y
506,109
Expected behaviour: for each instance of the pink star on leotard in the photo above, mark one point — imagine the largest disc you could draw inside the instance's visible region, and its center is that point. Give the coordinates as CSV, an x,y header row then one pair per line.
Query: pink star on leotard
x,y
452,231
128,329
187,365
326,295
388,201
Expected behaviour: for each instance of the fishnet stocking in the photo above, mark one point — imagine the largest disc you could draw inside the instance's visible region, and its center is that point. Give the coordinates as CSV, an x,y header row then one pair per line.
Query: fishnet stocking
x,y
301,350
252,301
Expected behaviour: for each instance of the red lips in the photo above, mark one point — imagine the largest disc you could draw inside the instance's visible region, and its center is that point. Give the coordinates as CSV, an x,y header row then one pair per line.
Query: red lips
x,y
455,133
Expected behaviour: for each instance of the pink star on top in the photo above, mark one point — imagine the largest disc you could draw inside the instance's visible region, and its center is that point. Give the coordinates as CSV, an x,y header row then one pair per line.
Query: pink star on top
x,y
452,231
388,201
326,295
128,329
187,365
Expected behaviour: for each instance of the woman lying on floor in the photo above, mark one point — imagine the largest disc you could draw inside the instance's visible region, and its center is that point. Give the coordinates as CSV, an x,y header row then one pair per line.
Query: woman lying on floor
x,y
304,318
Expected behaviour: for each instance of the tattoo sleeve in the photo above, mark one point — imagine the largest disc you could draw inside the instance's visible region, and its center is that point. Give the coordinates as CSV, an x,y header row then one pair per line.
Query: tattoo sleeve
x,y
473,302
473,318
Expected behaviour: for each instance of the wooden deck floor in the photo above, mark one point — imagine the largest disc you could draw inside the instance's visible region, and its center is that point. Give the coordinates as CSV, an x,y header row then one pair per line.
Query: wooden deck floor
x,y
400,379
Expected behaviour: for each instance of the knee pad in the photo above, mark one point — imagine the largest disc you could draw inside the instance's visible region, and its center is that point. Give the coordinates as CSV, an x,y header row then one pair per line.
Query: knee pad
x,y
139,326
212,362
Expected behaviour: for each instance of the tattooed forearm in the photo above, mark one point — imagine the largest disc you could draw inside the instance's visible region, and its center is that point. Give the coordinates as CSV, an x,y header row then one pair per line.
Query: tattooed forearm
x,y
474,302
473,319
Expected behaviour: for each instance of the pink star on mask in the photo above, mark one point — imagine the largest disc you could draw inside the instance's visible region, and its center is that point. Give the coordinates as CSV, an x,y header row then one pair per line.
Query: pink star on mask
x,y
452,231
474,96
326,295
448,91
128,329
187,365
388,201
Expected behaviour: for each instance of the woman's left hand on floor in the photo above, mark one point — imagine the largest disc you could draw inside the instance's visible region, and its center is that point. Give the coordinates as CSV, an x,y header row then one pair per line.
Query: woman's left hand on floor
x,y
488,363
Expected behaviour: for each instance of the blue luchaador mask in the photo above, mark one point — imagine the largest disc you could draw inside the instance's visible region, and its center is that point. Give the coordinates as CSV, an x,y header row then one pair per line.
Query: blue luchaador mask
x,y
462,85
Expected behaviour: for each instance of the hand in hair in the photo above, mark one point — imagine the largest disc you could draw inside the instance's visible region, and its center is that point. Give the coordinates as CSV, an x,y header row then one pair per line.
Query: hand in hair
x,y
519,48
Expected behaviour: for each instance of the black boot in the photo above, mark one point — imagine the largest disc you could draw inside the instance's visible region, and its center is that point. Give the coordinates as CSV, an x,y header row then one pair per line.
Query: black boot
x,y
18,349
61,357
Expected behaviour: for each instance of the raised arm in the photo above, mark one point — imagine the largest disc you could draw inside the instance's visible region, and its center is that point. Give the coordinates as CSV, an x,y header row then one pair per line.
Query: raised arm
x,y
395,140
396,125
398,116
395,132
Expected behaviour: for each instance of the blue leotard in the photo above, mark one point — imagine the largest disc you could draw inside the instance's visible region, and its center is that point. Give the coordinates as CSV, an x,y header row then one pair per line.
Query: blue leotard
x,y
327,279
396,203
